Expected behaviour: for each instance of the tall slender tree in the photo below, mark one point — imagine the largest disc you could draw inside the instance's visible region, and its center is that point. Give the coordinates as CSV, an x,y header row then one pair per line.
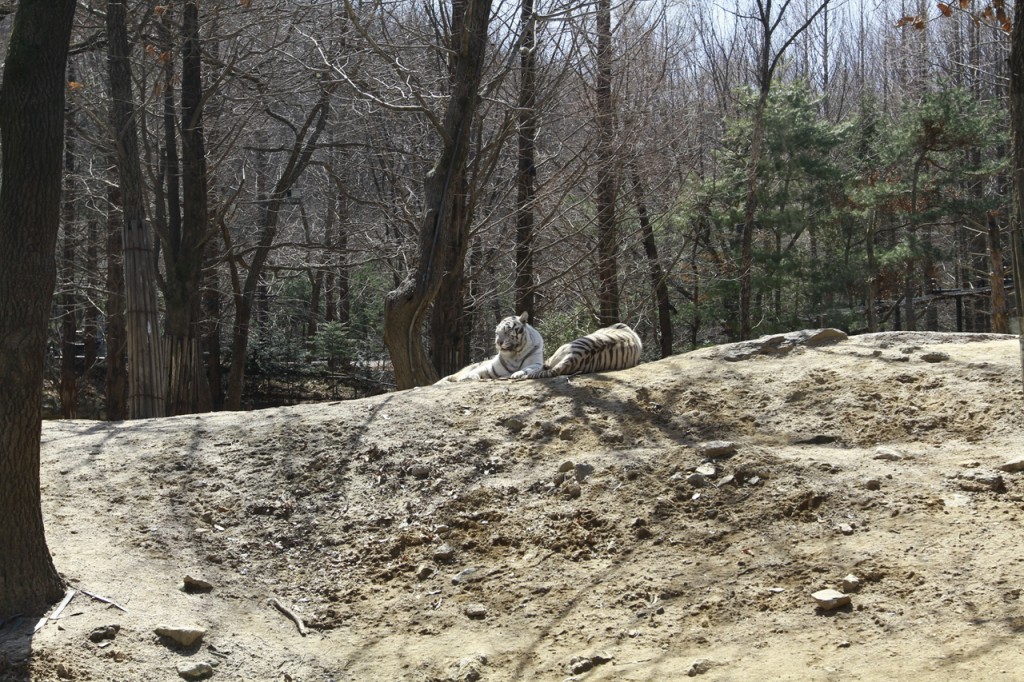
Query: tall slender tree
x,y
31,134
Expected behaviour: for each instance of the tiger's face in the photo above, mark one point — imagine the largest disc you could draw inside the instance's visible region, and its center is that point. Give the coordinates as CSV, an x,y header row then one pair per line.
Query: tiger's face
x,y
509,333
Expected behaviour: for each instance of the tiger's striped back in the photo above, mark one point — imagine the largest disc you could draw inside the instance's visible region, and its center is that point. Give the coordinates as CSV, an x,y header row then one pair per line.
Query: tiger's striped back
x,y
606,350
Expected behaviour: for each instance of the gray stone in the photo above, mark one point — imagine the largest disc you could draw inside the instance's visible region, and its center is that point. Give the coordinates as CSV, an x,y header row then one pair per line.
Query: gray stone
x,y
887,454
873,484
424,571
979,480
716,448
444,553
475,611
583,471
104,632
566,467
699,667
845,529
419,470
696,480
851,583
935,356
572,491
468,575
829,600
1013,466
195,671
467,669
185,636
707,469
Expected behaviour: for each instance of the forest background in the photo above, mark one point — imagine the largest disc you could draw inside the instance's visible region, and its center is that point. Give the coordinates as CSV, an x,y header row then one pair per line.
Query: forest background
x,y
339,198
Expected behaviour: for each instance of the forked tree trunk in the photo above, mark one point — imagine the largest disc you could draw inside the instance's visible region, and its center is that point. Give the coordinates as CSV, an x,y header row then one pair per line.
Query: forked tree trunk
x,y
146,371
31,135
405,308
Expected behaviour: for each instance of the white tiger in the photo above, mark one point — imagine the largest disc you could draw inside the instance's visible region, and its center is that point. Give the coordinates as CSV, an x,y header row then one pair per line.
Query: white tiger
x,y
520,351
609,349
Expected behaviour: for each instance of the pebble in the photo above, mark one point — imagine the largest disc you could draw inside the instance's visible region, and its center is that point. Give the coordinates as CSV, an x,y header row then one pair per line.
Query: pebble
x,y
1013,466
105,632
468,575
978,480
419,470
696,480
444,553
583,471
707,469
935,356
716,448
845,529
887,454
851,583
572,491
195,671
424,571
873,484
829,600
699,667
467,669
566,467
194,584
185,636
475,611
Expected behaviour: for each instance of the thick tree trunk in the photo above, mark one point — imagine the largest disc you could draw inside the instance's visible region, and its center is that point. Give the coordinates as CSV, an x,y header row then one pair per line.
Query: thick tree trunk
x,y
1017,132
188,390
607,241
31,135
405,308
146,372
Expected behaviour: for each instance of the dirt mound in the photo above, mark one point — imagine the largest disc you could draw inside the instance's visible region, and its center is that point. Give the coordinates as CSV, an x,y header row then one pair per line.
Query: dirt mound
x,y
668,520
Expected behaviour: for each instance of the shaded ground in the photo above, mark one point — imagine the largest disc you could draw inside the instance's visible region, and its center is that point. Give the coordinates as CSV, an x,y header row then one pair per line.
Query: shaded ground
x,y
429,534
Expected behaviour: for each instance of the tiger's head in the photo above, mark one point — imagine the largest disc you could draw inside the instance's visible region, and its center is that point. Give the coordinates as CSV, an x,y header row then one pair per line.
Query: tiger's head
x,y
510,333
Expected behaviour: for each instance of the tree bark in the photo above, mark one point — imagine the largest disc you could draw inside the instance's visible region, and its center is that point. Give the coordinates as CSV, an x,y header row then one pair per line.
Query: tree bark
x,y
659,285
405,308
117,332
188,390
526,179
1017,133
1000,317
146,370
31,136
245,293
68,323
607,241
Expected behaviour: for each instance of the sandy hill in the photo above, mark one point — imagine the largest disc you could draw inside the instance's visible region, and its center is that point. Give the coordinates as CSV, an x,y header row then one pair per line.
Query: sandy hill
x,y
668,520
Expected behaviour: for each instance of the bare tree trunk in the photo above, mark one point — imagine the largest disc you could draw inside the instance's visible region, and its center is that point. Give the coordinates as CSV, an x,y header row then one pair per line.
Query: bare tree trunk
x,y
90,324
117,333
1000,317
146,371
68,303
245,293
607,241
526,179
188,390
405,308
31,135
659,286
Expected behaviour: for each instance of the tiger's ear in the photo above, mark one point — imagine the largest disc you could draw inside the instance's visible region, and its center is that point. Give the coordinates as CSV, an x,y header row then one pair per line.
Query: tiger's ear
x,y
524,316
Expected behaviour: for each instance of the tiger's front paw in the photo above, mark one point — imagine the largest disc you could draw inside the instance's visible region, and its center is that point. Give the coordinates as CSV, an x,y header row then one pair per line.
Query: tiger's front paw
x,y
519,376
